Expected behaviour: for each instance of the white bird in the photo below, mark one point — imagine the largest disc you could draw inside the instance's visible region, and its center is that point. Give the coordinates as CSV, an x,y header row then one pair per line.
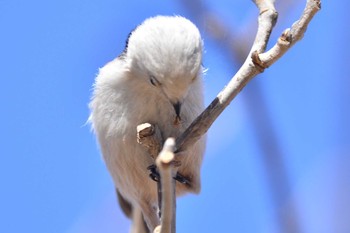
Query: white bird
x,y
157,79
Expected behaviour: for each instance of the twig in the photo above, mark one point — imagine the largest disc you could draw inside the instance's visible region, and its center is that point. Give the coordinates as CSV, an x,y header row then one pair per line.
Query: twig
x,y
150,137
165,166
290,36
249,69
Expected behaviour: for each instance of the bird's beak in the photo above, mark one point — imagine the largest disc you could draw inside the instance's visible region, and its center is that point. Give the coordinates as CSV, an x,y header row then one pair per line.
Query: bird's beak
x,y
177,108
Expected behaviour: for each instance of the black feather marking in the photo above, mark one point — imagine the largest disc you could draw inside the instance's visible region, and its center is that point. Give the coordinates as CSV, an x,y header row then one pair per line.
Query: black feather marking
x,y
123,54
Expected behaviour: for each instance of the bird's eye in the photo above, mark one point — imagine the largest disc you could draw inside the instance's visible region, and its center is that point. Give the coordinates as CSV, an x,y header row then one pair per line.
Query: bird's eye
x,y
154,81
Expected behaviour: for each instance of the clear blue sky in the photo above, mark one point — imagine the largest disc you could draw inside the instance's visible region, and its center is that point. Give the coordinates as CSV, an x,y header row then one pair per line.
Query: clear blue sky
x,y
53,179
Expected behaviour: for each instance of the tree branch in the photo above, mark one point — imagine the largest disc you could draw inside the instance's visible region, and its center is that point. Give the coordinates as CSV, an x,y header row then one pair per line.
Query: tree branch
x,y
249,69
290,36
257,60
235,43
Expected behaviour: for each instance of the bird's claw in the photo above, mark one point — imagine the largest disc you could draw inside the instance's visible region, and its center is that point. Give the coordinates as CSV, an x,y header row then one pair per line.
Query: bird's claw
x,y
154,175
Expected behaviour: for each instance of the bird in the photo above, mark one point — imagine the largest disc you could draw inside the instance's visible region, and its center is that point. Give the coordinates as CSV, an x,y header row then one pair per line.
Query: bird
x,y
158,78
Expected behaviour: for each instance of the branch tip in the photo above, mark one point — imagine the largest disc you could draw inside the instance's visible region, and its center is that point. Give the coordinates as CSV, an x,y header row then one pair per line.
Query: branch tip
x,y
144,130
286,36
166,156
318,4
157,229
285,39
150,137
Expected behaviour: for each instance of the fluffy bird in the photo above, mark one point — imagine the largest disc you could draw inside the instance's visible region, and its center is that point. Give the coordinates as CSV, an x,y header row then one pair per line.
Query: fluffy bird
x,y
157,79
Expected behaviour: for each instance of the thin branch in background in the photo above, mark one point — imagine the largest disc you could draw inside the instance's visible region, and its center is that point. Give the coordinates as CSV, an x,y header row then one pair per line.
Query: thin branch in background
x,y
235,41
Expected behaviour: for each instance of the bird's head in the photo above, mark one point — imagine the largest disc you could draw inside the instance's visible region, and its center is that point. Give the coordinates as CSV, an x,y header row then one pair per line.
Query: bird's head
x,y
166,53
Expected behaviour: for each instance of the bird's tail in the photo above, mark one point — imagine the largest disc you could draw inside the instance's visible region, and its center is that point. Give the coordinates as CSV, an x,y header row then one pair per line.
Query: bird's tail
x,y
135,214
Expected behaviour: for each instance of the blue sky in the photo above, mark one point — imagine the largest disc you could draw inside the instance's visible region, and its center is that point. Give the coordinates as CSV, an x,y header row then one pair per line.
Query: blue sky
x,y
53,178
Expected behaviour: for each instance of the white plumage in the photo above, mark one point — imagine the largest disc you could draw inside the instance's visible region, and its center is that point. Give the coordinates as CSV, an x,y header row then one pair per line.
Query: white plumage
x,y
159,70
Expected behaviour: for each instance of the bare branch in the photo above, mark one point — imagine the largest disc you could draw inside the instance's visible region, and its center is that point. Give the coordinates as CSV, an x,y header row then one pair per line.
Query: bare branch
x,y
290,36
165,165
236,44
249,70
255,63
